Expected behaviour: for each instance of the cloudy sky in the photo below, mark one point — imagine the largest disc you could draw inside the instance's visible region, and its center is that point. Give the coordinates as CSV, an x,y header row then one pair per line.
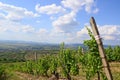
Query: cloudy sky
x,y
56,21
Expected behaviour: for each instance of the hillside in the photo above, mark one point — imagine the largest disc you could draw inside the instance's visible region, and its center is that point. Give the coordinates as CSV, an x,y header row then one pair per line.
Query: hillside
x,y
12,51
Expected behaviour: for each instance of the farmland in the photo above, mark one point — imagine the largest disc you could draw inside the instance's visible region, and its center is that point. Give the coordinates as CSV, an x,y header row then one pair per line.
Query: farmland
x,y
18,62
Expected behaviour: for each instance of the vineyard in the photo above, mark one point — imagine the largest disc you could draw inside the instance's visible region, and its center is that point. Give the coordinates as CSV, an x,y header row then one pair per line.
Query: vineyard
x,y
68,64
88,63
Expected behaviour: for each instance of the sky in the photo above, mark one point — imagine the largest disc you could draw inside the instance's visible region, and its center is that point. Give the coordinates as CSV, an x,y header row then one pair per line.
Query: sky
x,y
56,21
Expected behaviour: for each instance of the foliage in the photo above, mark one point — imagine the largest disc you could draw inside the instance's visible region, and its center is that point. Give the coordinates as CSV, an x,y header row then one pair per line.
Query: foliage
x,y
113,54
43,66
91,60
53,64
3,74
68,62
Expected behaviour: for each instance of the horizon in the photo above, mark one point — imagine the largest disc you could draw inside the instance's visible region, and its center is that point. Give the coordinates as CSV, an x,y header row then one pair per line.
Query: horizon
x,y
59,20
29,42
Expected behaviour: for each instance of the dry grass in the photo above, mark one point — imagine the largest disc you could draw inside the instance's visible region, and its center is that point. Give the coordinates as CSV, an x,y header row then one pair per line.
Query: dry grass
x,y
115,69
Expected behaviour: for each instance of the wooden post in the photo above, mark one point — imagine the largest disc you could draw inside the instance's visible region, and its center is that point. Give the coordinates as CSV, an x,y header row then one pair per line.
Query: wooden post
x,y
82,51
98,73
35,56
101,49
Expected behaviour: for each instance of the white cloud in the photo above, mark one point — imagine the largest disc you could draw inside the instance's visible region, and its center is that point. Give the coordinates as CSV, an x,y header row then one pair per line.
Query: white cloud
x,y
68,22
65,23
77,5
88,5
82,32
6,25
74,5
52,18
2,15
49,9
15,13
110,32
96,10
107,32
42,31
2,29
109,29
28,28
11,30
11,26
108,37
16,30
63,26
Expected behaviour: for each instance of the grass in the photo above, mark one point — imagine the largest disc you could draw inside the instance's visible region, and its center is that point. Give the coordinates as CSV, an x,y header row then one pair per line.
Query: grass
x,y
115,69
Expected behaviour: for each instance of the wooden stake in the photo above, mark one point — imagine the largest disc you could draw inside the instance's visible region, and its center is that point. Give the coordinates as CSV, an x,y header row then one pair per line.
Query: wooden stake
x,y
101,49
35,56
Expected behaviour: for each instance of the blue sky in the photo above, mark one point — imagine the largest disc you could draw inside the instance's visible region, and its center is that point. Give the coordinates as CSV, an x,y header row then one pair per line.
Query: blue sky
x,y
56,21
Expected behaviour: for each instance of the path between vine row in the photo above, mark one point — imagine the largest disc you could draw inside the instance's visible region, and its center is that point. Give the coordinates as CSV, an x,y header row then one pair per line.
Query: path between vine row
x,y
25,76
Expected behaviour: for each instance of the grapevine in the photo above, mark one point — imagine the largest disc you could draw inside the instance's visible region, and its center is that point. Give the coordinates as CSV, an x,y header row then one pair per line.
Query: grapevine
x,y
91,61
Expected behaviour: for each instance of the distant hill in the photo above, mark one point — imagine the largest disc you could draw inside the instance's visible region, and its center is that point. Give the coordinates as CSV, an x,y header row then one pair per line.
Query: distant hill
x,y
28,45
24,45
